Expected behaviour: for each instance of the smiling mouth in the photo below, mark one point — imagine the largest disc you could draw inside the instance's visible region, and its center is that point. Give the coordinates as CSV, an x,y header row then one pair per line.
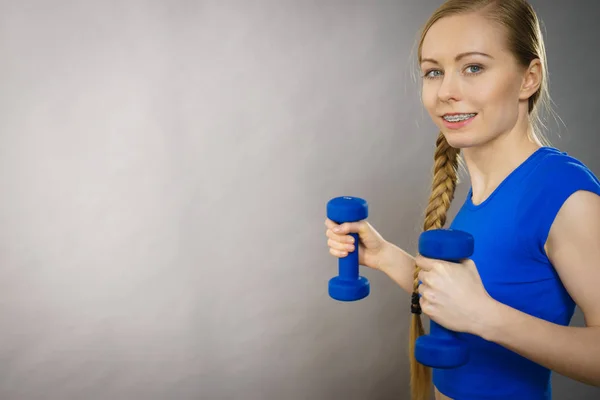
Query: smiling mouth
x,y
458,117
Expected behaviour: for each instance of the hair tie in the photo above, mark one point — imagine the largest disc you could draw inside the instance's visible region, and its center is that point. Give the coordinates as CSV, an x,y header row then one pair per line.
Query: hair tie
x,y
415,306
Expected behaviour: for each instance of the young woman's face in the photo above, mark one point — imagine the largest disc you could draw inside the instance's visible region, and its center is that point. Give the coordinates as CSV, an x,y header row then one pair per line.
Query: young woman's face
x,y
471,83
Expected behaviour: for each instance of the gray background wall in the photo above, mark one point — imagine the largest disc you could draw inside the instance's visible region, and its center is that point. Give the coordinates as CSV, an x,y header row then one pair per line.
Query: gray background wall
x,y
164,169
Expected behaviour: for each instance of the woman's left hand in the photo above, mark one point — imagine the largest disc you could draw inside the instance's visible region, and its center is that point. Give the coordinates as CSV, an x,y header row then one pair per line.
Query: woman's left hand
x,y
452,294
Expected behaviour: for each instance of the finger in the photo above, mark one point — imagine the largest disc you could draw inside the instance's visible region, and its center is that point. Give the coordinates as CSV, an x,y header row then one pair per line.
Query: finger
x,y
423,277
339,238
348,227
341,235
334,244
337,228
425,306
338,253
330,224
424,263
427,294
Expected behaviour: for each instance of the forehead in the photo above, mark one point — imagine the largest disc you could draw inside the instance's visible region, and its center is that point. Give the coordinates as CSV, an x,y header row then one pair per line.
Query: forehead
x,y
457,34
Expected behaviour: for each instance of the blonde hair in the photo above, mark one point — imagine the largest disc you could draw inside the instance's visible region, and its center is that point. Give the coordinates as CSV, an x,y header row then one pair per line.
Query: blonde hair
x,y
525,41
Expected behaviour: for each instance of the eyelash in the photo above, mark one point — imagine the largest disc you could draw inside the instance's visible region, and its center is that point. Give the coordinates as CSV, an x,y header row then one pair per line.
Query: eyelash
x,y
425,76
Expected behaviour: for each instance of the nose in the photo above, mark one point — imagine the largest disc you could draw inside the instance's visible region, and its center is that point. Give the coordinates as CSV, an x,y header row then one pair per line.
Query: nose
x,y
449,89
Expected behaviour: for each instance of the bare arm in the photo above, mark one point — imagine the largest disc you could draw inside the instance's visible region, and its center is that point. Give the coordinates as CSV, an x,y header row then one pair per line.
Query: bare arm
x,y
574,249
398,265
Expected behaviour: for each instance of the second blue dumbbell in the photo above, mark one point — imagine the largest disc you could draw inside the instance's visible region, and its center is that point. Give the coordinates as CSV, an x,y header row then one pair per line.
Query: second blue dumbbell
x,y
442,348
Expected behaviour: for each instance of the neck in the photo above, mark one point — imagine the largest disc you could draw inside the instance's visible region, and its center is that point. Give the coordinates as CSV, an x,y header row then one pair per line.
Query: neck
x,y
489,164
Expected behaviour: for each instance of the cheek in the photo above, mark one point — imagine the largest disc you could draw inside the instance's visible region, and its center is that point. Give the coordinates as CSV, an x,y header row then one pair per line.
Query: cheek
x,y
495,97
429,98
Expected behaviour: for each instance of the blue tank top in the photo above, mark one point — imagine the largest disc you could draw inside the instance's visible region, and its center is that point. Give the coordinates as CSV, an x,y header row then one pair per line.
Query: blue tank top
x,y
510,229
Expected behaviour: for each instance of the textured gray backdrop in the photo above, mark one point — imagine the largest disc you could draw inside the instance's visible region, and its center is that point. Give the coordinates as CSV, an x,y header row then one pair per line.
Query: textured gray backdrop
x,y
164,170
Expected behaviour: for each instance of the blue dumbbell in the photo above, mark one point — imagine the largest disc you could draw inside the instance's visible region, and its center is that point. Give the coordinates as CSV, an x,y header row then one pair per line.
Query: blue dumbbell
x,y
348,285
442,348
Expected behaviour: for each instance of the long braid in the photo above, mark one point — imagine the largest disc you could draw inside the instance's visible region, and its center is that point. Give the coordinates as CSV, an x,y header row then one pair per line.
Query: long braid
x,y
445,174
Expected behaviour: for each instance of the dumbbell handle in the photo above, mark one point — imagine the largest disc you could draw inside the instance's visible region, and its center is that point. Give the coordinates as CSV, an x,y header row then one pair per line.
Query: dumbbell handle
x,y
348,266
439,331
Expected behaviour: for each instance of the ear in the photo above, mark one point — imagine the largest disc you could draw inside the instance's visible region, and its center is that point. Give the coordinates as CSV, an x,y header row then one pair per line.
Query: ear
x,y
532,79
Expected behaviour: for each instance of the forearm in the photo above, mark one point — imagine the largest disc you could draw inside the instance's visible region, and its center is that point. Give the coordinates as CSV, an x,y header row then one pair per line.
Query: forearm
x,y
398,265
570,351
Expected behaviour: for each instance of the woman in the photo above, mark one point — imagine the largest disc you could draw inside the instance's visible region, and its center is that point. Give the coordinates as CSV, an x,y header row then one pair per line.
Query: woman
x,y
534,213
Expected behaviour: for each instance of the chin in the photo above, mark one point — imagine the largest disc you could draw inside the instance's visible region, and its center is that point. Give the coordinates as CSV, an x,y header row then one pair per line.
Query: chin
x,y
459,140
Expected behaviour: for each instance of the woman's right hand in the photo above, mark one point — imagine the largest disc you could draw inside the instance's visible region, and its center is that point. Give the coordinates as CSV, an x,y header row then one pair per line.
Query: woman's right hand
x,y
370,246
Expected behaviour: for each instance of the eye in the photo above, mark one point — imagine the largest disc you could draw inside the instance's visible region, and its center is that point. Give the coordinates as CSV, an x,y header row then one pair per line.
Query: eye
x,y
474,69
432,74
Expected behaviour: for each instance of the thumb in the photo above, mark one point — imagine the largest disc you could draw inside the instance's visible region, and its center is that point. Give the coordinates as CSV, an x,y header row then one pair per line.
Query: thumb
x,y
359,227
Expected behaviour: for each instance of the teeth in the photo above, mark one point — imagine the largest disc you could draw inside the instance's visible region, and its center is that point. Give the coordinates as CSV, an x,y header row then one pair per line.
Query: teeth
x,y
458,117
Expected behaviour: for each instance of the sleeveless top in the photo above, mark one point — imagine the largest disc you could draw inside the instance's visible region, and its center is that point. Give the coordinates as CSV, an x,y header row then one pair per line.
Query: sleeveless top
x,y
510,229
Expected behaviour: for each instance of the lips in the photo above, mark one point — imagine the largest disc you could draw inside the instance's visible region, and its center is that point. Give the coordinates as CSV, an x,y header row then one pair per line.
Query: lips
x,y
458,122
458,113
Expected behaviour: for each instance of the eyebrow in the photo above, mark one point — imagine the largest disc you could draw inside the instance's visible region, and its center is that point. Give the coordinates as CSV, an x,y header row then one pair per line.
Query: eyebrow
x,y
458,57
